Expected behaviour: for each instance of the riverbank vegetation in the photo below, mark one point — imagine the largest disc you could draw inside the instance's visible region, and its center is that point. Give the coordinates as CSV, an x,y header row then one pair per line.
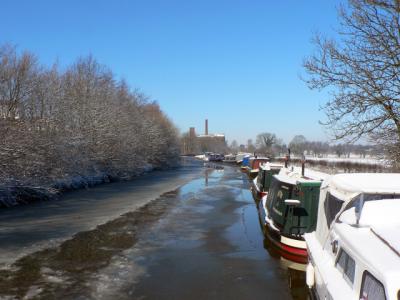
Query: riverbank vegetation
x,y
78,126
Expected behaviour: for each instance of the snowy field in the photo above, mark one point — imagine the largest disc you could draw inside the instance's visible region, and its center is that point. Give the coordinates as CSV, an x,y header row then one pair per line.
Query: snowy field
x,y
351,159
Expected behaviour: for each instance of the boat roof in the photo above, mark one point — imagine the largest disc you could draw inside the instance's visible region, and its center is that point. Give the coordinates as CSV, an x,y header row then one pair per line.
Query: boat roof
x,y
383,218
259,158
368,183
293,176
242,154
378,233
269,166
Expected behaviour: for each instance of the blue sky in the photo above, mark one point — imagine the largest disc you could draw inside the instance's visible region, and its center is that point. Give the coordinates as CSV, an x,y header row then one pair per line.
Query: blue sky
x,y
236,63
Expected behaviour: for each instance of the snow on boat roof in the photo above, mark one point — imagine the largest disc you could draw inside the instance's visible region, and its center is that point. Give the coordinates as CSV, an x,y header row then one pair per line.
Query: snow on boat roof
x,y
260,158
269,166
382,216
379,232
390,236
369,183
293,175
375,213
382,261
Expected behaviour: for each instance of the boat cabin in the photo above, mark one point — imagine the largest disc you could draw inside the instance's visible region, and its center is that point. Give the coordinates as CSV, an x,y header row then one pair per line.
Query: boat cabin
x,y
263,180
355,251
291,208
230,158
246,163
215,157
240,156
293,220
254,165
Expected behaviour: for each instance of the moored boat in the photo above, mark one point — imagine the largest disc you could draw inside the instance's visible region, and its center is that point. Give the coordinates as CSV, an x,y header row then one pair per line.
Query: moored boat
x,y
290,210
355,251
240,156
254,165
229,158
245,163
262,182
215,157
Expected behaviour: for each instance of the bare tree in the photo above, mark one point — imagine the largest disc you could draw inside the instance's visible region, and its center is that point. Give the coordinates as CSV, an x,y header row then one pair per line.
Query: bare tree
x,y
265,140
268,144
298,144
250,146
72,126
17,79
363,74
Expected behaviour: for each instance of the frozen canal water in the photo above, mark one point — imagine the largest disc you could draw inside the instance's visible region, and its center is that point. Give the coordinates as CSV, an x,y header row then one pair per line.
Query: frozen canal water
x,y
201,240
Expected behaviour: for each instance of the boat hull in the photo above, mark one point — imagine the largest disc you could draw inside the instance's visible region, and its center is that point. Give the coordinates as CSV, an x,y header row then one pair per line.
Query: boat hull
x,y
281,244
252,173
257,194
289,248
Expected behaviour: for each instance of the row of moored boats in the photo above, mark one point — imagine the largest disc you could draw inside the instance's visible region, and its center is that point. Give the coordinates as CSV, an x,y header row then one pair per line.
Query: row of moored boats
x,y
345,227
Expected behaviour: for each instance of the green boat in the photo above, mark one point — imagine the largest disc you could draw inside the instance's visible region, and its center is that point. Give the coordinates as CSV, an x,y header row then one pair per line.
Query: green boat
x,y
290,210
262,182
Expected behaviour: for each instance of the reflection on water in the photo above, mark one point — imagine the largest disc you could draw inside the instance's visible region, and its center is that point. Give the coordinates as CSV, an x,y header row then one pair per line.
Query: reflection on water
x,y
199,241
295,272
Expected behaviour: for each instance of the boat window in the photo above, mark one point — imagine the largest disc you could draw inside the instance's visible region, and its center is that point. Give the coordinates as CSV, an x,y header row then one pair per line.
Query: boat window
x,y
346,265
282,194
278,193
341,262
260,177
332,206
372,288
350,269
272,192
369,197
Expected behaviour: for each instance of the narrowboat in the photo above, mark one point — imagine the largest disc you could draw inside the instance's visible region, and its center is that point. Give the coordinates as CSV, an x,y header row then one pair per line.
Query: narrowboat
x,y
290,210
262,182
254,165
355,251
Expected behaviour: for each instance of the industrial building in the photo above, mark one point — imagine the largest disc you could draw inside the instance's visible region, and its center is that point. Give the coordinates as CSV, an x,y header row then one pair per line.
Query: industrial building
x,y
193,144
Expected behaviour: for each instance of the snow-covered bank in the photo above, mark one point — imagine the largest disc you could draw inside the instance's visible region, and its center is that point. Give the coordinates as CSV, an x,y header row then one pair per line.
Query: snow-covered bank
x,y
16,195
13,195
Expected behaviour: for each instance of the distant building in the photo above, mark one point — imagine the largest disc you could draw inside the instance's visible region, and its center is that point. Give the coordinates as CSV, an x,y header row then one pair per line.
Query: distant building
x,y
193,144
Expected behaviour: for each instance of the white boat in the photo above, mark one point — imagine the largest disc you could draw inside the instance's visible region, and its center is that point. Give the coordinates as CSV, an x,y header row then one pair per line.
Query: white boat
x,y
355,251
202,157
229,158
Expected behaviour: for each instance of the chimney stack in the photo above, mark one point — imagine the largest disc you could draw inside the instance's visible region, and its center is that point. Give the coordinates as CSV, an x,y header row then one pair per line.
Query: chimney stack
x,y
192,132
206,128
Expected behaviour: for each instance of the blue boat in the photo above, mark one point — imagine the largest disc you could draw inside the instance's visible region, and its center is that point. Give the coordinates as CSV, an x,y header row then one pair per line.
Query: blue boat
x,y
245,163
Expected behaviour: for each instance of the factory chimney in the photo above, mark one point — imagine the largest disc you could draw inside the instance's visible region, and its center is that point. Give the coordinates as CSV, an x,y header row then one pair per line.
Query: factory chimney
x,y
192,133
206,127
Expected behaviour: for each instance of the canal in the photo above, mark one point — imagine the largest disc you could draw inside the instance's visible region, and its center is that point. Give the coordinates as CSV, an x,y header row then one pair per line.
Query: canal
x,y
189,233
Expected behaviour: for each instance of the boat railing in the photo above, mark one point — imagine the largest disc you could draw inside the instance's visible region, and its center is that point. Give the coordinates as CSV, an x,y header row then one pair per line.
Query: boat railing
x,y
300,230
